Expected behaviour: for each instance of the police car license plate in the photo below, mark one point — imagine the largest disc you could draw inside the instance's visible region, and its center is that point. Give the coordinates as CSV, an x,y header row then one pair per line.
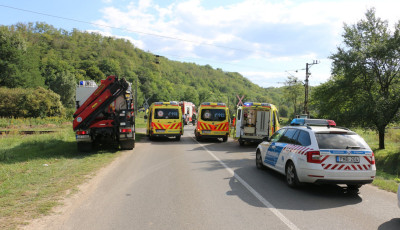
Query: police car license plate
x,y
160,130
206,131
347,159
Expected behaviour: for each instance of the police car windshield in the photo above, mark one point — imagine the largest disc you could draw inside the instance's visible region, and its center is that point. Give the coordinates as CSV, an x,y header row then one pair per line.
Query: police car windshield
x,y
213,114
166,114
340,141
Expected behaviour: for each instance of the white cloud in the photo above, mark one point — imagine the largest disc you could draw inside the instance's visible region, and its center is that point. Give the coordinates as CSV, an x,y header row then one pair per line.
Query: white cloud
x,y
273,31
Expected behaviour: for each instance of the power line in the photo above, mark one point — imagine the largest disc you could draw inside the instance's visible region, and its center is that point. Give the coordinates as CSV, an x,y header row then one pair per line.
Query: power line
x,y
129,30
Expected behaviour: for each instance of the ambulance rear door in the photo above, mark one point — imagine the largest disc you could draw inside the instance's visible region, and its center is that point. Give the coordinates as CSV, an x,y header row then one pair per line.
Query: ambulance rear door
x,y
239,118
262,124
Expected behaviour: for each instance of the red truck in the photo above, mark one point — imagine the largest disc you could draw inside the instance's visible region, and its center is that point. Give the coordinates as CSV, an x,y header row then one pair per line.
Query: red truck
x,y
104,114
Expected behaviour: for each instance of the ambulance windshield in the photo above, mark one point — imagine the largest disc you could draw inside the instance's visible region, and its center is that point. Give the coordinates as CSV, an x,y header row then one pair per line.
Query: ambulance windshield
x,y
213,114
166,114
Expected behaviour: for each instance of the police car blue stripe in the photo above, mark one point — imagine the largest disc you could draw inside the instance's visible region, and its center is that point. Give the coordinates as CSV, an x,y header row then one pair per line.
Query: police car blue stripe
x,y
273,152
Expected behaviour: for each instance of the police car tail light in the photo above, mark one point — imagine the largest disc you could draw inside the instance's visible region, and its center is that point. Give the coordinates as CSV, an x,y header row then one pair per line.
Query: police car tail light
x,y
373,158
313,157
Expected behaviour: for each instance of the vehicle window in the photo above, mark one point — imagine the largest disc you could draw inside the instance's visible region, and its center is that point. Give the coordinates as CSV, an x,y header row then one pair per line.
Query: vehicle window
x,y
289,136
277,135
340,141
213,115
304,138
274,121
166,114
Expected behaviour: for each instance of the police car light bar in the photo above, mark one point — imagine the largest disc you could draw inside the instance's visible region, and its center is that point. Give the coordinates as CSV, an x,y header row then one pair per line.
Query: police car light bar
x,y
310,122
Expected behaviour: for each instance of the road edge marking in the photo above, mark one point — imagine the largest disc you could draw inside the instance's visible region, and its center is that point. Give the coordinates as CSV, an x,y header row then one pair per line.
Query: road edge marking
x,y
265,202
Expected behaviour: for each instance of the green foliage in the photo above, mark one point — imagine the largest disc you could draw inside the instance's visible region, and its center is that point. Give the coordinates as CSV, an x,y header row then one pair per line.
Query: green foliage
x,y
365,87
37,102
294,95
37,54
64,85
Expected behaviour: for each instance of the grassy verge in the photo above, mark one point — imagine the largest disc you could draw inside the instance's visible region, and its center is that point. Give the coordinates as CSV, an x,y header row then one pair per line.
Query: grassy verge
x,y
140,122
37,170
387,160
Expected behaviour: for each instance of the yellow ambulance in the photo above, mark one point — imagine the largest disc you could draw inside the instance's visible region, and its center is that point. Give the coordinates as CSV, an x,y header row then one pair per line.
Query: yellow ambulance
x,y
164,119
255,122
212,121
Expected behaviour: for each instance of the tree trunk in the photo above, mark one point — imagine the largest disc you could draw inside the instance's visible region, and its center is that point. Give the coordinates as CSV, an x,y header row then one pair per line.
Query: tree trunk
x,y
381,133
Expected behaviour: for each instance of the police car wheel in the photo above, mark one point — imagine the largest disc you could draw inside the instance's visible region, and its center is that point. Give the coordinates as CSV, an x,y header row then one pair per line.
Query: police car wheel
x,y
241,143
353,188
291,175
259,163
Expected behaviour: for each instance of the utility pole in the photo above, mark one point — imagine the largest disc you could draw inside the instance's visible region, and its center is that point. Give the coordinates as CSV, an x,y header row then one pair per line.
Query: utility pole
x,y
308,66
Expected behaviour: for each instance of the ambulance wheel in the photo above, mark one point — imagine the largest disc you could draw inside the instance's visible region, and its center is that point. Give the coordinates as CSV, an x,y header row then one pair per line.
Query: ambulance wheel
x,y
178,138
85,146
259,163
291,175
198,138
127,144
241,142
225,139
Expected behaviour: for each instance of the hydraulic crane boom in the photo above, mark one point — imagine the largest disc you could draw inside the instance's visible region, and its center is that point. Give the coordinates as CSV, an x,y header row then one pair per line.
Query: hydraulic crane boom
x,y
105,94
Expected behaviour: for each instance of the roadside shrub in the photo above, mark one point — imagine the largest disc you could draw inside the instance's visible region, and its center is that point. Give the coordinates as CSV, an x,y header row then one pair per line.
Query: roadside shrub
x,y
37,102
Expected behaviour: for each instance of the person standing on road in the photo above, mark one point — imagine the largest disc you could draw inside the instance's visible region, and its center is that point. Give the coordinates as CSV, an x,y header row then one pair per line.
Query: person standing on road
x,y
193,118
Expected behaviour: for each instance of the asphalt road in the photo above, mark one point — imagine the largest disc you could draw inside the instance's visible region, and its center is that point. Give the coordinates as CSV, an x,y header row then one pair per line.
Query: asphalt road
x,y
166,184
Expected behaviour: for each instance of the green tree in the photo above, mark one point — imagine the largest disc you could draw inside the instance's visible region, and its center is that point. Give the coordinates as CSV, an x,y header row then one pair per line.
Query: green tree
x,y
366,74
12,47
64,85
293,92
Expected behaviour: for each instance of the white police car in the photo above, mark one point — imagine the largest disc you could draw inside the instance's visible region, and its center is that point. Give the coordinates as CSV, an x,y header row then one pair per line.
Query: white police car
x,y
398,196
315,151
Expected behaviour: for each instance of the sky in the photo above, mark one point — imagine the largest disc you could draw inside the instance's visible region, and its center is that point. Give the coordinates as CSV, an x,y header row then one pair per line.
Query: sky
x,y
264,40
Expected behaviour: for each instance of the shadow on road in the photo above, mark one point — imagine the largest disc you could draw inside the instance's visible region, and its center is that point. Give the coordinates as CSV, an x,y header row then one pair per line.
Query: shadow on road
x,y
272,186
393,224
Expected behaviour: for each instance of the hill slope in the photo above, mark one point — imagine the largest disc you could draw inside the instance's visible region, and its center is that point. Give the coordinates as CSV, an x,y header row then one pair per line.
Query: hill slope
x,y
37,54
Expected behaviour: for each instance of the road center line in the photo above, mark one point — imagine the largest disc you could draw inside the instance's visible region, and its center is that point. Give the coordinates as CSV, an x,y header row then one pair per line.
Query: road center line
x,y
267,204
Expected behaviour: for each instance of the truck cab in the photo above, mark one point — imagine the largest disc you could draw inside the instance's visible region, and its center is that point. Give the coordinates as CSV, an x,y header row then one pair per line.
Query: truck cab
x,y
255,122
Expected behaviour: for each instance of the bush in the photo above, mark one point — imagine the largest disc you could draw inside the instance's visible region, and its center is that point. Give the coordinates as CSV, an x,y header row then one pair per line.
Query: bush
x,y
37,102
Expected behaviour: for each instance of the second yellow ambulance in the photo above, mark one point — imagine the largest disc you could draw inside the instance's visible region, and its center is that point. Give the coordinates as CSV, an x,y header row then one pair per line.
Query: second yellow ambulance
x,y
212,121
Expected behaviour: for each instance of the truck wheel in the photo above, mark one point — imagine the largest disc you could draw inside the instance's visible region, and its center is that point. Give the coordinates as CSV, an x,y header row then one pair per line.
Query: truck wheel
x,y
178,138
127,144
225,138
85,146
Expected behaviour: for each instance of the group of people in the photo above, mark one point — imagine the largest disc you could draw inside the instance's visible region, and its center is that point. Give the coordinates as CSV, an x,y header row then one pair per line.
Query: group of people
x,y
186,118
